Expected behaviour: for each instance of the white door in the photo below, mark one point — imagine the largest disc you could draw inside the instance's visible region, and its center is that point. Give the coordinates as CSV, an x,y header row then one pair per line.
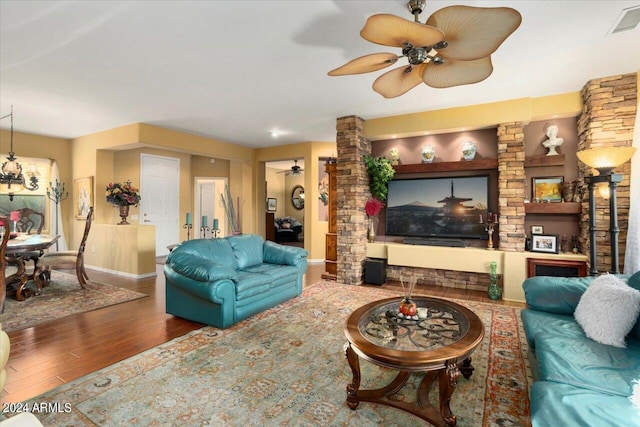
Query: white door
x,y
160,190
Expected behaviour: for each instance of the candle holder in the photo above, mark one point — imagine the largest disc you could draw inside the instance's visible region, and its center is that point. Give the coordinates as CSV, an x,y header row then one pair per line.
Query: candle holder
x,y
215,233
490,226
203,231
188,227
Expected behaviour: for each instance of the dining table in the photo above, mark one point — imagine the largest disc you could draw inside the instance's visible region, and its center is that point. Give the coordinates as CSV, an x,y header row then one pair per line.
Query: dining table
x,y
18,247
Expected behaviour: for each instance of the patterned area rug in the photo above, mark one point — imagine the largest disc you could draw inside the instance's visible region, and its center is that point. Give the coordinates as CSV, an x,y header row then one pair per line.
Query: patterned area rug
x,y
287,367
63,297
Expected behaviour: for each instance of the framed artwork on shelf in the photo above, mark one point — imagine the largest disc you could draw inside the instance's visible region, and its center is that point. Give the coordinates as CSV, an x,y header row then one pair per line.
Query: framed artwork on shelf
x,y
82,197
547,189
272,204
537,229
545,243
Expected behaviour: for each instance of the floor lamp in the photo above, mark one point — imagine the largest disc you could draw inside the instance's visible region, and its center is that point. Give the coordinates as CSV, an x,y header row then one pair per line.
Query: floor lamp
x,y
604,160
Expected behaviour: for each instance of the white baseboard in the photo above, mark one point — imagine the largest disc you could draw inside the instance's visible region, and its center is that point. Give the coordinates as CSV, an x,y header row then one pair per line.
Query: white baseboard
x,y
122,273
315,261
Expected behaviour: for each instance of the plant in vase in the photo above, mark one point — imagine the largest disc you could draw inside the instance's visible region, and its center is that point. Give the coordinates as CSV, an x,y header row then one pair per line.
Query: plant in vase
x,y
123,196
372,208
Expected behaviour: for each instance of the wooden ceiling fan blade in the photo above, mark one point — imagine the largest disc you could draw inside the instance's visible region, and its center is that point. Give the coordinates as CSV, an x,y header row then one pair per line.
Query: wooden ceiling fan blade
x,y
398,81
457,73
474,32
365,64
391,30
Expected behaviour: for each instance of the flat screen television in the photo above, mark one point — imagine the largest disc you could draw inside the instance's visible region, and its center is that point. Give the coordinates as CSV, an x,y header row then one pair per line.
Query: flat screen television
x,y
452,207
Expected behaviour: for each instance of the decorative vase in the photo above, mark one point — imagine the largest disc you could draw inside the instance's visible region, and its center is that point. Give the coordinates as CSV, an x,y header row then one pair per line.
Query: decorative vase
x,y
494,289
468,150
371,231
408,307
124,213
428,153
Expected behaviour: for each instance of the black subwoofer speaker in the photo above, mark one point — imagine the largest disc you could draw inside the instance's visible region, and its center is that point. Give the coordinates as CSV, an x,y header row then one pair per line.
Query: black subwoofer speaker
x,y
375,271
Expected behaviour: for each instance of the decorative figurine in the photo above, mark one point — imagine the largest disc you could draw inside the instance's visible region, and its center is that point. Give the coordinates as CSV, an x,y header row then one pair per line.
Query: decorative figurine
x,y
395,156
553,141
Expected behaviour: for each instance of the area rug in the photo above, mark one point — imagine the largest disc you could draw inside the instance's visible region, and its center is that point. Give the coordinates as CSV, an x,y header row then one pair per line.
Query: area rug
x,y
287,367
63,297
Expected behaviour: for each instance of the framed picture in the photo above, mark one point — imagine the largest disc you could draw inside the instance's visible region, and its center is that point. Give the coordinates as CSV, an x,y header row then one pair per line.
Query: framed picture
x,y
272,204
537,229
547,189
82,197
547,243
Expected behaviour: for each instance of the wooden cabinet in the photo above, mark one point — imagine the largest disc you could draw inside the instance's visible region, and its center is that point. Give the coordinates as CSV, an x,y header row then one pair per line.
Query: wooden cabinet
x,y
331,238
270,231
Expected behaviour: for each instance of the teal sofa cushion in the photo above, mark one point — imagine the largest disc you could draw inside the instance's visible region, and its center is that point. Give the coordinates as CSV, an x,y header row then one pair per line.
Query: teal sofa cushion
x,y
584,363
554,404
555,294
216,250
535,321
247,249
274,253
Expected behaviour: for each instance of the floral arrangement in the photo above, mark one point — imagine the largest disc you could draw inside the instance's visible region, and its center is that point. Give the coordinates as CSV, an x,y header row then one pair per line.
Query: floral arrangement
x,y
373,206
123,194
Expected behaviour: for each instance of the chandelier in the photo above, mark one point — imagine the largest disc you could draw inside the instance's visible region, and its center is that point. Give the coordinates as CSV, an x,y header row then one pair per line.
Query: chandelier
x,y
12,180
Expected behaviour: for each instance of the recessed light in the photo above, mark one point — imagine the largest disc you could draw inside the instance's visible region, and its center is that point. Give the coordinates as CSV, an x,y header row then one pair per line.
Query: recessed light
x,y
275,133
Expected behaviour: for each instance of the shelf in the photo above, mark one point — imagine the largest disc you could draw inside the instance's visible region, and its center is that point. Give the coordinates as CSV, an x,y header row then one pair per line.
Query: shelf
x,y
557,160
481,164
568,208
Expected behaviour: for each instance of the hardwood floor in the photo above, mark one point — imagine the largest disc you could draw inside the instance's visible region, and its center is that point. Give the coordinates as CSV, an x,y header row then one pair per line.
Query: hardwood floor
x,y
48,355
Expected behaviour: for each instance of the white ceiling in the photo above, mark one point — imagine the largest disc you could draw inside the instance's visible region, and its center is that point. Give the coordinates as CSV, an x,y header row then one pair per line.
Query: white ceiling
x,y
236,70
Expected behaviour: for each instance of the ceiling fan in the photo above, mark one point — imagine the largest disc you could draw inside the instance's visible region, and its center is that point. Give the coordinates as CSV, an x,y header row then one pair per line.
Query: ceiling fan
x,y
453,48
295,169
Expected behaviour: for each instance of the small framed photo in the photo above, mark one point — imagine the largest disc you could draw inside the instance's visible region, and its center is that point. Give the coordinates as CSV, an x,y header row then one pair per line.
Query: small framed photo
x,y
547,189
546,243
82,196
272,204
537,229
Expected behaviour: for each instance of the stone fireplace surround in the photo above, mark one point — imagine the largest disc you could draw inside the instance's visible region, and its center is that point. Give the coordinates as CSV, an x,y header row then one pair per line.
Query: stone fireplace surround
x,y
607,119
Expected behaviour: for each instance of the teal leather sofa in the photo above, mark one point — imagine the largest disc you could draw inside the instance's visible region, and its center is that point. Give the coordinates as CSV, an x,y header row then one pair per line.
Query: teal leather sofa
x,y
577,381
220,282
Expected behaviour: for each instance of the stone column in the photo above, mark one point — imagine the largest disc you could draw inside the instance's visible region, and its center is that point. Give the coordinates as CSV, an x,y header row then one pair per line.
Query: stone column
x,y
352,193
607,120
511,186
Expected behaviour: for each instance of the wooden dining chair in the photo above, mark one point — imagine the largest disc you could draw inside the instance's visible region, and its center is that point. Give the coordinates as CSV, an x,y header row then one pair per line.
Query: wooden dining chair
x,y
6,231
30,222
64,260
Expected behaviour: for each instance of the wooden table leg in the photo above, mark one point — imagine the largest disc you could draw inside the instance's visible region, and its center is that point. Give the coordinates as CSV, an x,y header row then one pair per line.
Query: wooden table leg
x,y
467,368
448,379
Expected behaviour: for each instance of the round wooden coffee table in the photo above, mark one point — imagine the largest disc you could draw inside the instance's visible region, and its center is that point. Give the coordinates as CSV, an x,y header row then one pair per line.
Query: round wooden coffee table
x,y
439,344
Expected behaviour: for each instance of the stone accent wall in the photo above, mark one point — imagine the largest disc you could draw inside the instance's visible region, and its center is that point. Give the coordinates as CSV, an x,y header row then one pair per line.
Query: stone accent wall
x,y
607,119
435,277
352,193
511,186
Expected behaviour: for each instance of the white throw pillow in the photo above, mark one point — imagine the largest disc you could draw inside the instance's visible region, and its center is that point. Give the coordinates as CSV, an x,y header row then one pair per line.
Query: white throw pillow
x,y
635,396
608,310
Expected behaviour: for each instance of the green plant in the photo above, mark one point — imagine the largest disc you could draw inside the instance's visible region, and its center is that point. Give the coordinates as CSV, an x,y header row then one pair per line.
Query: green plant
x,y
380,173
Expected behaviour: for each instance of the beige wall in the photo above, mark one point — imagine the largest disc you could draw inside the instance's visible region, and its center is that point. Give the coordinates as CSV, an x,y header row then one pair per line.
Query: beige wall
x,y
276,189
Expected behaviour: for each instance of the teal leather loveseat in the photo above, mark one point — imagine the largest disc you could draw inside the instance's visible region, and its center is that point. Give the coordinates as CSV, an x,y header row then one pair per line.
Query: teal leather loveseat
x,y
220,282
577,381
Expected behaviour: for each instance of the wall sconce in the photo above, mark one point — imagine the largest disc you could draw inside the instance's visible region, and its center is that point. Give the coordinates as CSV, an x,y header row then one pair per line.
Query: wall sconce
x,y
604,160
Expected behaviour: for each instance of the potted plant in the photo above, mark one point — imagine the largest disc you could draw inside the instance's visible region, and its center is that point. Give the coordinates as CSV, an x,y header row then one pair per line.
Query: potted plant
x,y
380,173
123,196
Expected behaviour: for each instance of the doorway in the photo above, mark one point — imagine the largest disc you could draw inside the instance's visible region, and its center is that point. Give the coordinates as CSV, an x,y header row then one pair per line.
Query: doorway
x,y
159,183
206,202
